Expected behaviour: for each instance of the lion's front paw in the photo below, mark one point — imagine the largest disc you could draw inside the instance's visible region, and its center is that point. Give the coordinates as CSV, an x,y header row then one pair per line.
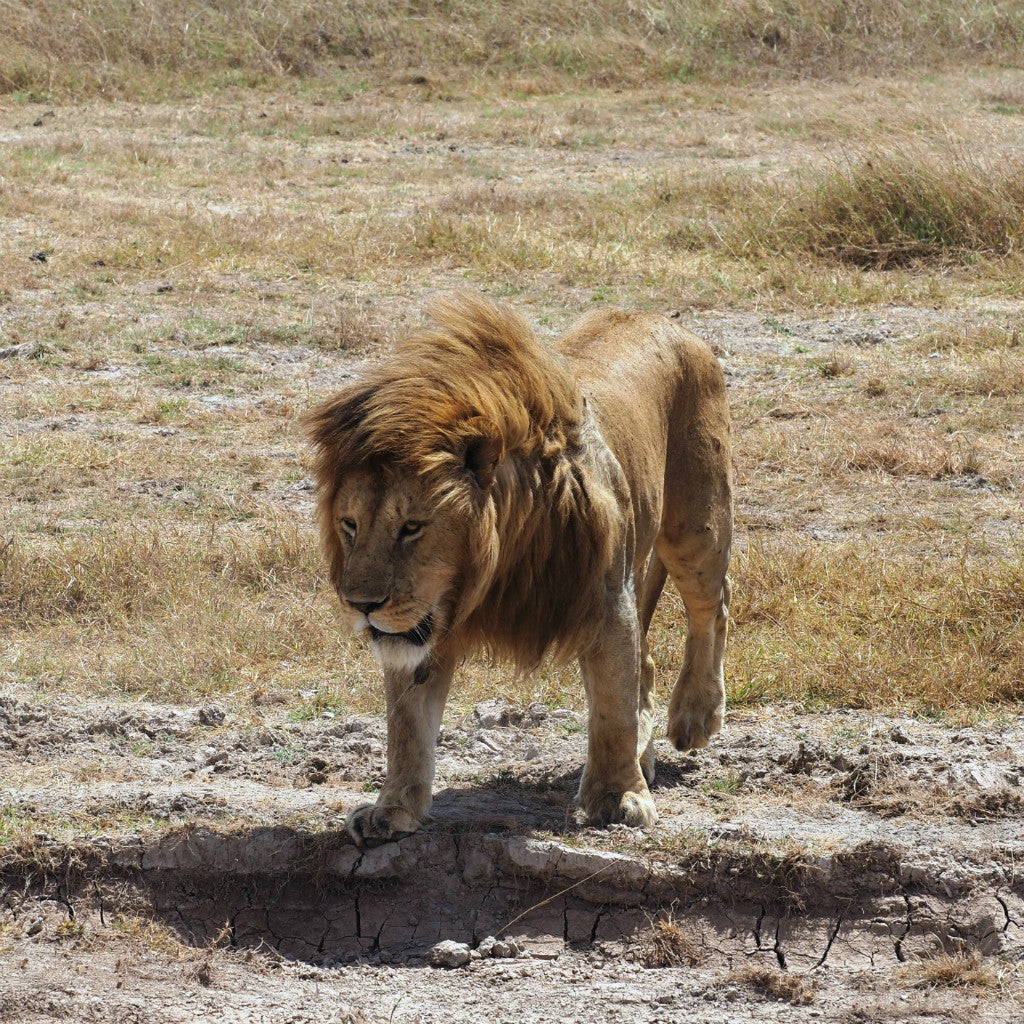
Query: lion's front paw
x,y
692,725
373,824
608,807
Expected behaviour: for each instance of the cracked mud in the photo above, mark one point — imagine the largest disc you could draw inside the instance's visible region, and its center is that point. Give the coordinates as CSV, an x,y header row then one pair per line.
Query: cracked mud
x,y
191,860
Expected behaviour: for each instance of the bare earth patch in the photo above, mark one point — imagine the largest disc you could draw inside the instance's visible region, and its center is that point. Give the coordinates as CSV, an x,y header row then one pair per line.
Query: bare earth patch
x,y
804,860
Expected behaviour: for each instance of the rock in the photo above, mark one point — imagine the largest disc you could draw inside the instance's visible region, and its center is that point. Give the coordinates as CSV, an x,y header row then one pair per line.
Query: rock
x,y
486,947
899,735
498,712
536,712
211,715
26,350
450,954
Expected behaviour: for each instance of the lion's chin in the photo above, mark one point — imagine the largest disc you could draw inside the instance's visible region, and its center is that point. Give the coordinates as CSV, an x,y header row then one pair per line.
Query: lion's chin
x,y
403,651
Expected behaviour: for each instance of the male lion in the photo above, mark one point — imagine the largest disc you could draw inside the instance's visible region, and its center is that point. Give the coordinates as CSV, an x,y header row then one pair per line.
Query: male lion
x,y
479,489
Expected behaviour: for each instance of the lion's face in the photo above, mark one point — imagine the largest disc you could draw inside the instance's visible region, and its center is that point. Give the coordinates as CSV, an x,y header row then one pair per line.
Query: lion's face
x,y
398,562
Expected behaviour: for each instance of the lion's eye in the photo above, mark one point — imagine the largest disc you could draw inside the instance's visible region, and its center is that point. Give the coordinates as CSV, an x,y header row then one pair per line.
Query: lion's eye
x,y
349,527
410,529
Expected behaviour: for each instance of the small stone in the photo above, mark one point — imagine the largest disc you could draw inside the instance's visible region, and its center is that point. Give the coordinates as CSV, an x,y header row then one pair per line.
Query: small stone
x,y
450,954
899,735
26,350
537,712
211,715
486,947
489,713
506,950
35,927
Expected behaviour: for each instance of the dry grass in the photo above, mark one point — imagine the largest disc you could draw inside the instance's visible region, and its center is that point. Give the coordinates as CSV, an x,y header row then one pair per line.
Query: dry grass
x,y
173,614
69,45
213,268
896,207
956,971
672,944
872,625
892,203
775,984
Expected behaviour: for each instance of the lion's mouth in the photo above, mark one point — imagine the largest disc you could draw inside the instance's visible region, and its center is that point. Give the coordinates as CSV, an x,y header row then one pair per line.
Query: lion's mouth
x,y
417,636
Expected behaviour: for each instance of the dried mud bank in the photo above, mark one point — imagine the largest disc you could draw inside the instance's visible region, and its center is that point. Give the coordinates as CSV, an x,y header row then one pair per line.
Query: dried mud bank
x,y
799,841
319,900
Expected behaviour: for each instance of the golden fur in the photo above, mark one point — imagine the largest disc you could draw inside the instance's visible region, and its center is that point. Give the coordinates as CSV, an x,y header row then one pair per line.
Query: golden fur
x,y
479,489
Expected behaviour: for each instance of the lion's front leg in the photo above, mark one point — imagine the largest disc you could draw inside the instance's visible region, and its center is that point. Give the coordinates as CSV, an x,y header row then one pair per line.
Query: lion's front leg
x,y
414,717
613,788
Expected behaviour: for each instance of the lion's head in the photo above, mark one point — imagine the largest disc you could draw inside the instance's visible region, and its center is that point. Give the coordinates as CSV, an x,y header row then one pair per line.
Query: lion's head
x,y
404,548
415,464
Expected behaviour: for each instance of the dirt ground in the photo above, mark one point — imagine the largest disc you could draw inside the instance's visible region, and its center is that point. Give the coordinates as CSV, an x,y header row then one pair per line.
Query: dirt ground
x,y
188,864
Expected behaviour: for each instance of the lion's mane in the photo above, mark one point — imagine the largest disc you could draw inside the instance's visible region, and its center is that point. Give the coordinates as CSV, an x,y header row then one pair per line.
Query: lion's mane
x,y
481,386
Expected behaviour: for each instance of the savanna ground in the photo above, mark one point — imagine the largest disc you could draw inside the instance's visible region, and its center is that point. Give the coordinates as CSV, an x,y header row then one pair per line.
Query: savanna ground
x,y
209,218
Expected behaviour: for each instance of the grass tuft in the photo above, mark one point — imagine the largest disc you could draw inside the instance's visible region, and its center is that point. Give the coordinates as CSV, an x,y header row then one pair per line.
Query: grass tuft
x,y
898,207
860,625
892,205
956,971
671,944
776,984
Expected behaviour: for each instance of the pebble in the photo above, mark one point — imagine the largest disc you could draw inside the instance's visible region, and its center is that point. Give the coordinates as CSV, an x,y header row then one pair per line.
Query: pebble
x,y
450,954
211,714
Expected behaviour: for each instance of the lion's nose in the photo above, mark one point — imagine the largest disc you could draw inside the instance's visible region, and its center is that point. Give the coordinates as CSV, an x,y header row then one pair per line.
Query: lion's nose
x,y
366,606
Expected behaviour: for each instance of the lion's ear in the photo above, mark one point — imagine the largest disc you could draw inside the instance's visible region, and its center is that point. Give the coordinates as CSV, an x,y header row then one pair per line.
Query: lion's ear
x,y
484,449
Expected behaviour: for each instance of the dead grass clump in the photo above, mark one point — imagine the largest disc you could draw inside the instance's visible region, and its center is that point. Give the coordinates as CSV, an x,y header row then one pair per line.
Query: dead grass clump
x,y
957,971
495,199
776,984
170,614
349,329
113,577
894,207
671,944
963,339
901,454
875,625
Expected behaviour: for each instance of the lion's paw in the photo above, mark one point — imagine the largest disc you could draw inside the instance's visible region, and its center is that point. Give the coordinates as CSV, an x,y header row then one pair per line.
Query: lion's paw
x,y
690,728
631,808
373,824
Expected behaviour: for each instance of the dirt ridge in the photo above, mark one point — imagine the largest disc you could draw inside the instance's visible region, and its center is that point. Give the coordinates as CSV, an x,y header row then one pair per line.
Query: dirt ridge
x,y
317,898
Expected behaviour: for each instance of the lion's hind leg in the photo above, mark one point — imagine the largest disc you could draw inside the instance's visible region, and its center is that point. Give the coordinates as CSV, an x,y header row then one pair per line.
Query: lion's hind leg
x,y
694,542
653,584
697,706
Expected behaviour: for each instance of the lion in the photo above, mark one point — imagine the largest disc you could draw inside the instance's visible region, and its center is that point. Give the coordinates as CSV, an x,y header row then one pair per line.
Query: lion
x,y
480,490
